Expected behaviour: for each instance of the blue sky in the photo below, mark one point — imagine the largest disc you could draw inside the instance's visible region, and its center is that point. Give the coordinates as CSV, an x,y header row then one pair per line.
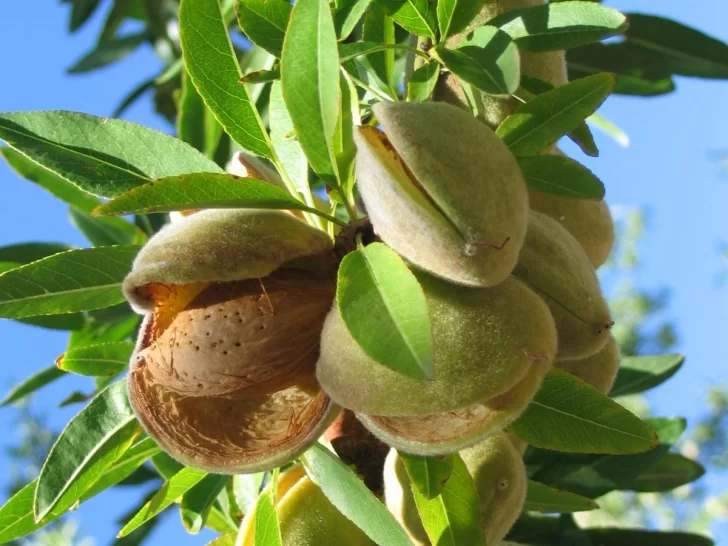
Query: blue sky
x,y
667,170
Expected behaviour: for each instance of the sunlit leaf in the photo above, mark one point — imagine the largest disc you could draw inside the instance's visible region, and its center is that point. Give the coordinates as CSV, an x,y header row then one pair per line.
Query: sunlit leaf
x,y
100,155
201,190
175,487
543,120
76,280
106,424
264,22
310,81
35,382
551,27
384,309
569,415
213,66
452,518
104,359
640,373
352,498
475,61
560,175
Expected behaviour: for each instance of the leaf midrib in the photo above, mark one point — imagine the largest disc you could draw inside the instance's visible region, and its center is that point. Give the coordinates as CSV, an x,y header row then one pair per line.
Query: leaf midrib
x,y
569,106
582,419
72,151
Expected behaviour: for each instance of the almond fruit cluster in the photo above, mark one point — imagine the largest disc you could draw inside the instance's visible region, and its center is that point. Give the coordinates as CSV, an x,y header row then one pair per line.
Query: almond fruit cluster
x,y
244,359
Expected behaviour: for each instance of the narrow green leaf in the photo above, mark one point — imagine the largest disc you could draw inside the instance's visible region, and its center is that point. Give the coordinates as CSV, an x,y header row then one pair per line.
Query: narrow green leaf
x,y
166,465
16,516
220,522
455,15
107,422
352,498
415,16
123,467
284,140
581,135
543,120
347,15
13,256
103,359
132,96
636,74
677,48
76,397
108,52
25,253
310,81
560,26
640,373
452,518
76,280
267,528
475,61
264,22
211,62
101,156
121,11
246,488
428,474
603,124
106,231
569,415
344,148
422,82
671,471
584,139
195,123
595,475
542,498
561,175
57,186
640,537
32,384
201,190
65,322
197,502
379,29
175,487
81,11
384,309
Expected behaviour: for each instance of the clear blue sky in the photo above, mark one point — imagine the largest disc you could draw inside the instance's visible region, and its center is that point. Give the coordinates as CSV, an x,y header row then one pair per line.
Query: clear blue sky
x,y
666,170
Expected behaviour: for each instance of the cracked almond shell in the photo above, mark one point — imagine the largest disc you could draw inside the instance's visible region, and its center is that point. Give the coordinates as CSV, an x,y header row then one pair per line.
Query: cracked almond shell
x,y
499,477
553,263
443,191
223,373
485,340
